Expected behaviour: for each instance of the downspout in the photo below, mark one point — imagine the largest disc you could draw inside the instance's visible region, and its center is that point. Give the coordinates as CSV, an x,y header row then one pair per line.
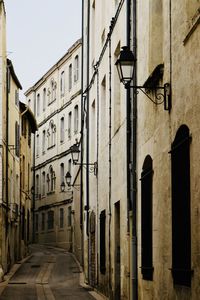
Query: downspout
x,y
134,163
88,130
33,207
7,139
82,141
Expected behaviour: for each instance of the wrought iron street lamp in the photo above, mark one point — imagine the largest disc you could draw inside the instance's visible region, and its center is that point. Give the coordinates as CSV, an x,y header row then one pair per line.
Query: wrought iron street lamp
x,y
62,187
126,67
68,178
75,158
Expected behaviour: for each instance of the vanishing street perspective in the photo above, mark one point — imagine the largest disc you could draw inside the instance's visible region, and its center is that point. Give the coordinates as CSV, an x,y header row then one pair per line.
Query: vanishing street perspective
x,y
99,158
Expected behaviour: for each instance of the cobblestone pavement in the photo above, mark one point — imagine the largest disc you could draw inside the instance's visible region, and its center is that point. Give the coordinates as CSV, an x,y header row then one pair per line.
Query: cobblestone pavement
x,y
49,274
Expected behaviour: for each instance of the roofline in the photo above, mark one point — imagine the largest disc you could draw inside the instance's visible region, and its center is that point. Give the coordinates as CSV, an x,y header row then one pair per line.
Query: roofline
x,y
54,67
31,118
12,71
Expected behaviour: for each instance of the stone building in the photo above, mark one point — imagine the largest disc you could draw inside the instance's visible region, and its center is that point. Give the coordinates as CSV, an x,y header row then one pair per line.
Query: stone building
x,y
28,127
141,204
168,42
106,235
55,100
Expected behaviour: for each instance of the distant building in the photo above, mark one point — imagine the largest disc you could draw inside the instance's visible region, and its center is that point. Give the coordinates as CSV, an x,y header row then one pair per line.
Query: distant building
x,y
55,100
28,127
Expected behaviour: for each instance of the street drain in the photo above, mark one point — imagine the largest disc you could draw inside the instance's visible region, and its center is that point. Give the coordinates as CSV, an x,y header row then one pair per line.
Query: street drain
x,y
35,266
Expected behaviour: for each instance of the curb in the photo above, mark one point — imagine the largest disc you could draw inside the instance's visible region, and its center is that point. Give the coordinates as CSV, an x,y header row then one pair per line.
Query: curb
x,y
12,272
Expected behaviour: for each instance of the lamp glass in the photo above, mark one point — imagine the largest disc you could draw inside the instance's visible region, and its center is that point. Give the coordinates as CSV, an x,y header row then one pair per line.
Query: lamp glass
x,y
125,65
62,186
68,178
75,153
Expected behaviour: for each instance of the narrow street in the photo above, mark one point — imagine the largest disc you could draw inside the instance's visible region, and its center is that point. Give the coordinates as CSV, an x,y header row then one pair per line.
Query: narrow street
x,y
49,273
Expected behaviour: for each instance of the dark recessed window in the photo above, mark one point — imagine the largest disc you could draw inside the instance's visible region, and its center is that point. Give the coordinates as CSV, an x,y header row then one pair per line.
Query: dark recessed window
x,y
146,218
181,227
103,242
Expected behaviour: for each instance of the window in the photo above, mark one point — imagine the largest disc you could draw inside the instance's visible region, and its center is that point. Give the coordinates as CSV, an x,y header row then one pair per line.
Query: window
x,y
62,175
43,141
62,84
24,127
181,222
70,166
50,221
23,172
69,124
38,105
29,135
44,99
17,139
51,132
36,223
37,144
16,98
69,223
52,91
76,119
76,68
146,219
103,242
70,77
37,186
62,129
43,183
43,221
48,182
52,179
61,217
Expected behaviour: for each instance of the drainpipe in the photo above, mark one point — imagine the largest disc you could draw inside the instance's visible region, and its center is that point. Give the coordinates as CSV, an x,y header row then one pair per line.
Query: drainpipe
x,y
33,204
7,138
134,164
88,129
82,141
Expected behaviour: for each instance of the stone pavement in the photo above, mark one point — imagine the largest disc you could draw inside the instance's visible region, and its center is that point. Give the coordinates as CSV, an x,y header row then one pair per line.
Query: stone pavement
x,y
48,274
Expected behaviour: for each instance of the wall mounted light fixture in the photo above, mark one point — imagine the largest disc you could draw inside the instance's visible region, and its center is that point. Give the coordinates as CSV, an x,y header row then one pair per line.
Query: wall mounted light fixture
x,y
126,67
75,158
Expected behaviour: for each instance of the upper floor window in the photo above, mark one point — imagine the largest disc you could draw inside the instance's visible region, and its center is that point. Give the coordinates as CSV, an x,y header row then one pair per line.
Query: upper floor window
x,y
43,141
52,179
76,119
62,129
62,84
37,144
52,91
146,219
43,183
38,105
76,68
51,134
181,218
29,135
70,77
44,99
16,97
62,175
24,126
69,124
37,186
17,139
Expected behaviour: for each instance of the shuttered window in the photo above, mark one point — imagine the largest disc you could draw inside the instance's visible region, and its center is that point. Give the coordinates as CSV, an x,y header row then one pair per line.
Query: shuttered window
x,y
181,223
146,219
103,242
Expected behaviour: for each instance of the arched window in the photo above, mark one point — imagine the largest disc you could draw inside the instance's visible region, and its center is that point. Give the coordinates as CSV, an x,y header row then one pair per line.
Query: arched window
x,y
43,183
181,226
44,99
50,220
76,120
62,129
146,219
70,77
51,132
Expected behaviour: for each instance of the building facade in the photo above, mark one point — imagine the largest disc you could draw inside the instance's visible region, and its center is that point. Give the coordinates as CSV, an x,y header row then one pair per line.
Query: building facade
x,y
106,228
168,41
28,127
141,203
55,100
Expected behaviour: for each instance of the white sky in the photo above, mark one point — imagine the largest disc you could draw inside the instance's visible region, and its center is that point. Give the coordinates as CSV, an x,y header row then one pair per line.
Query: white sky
x,y
39,32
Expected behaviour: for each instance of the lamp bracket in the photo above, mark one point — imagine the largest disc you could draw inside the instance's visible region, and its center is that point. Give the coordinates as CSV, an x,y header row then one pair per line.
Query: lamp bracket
x,y
162,94
92,169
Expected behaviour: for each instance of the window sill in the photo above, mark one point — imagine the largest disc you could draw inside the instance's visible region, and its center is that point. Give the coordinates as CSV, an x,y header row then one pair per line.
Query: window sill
x,y
51,102
193,26
51,147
